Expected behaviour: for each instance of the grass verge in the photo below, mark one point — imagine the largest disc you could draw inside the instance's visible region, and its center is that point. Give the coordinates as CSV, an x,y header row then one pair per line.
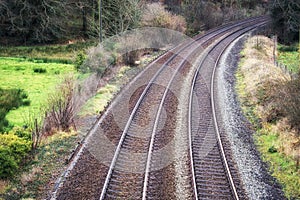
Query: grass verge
x,y
257,79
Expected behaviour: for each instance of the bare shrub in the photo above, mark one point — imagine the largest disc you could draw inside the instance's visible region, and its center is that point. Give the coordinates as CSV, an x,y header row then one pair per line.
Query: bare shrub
x,y
62,105
155,15
66,100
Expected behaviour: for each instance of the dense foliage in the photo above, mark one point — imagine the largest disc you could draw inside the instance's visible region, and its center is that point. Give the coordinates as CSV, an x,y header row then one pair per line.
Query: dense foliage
x,y
204,14
10,99
14,146
286,19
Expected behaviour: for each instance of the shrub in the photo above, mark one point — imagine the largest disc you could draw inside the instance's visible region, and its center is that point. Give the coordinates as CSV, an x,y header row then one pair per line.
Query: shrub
x,y
10,99
26,102
80,58
63,104
155,15
12,150
8,164
21,133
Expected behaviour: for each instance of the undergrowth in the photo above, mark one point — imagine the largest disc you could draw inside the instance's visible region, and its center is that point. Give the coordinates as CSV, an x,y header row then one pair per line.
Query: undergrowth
x,y
267,96
36,177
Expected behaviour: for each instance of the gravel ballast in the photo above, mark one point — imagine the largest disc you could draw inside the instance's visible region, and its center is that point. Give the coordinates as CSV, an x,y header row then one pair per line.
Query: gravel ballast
x,y
258,183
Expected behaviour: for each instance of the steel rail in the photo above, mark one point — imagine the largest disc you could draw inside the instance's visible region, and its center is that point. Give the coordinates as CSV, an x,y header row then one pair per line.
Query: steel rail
x,y
231,182
137,106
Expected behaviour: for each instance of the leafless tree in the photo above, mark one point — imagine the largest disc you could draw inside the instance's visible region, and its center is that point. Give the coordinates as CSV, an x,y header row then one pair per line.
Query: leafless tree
x,y
36,21
286,19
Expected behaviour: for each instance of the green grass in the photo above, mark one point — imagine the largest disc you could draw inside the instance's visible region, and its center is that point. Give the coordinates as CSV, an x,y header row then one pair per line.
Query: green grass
x,y
99,101
19,73
281,166
290,58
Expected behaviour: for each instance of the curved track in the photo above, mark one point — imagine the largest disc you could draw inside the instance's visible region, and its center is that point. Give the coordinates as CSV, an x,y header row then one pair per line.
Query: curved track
x,y
134,171
213,172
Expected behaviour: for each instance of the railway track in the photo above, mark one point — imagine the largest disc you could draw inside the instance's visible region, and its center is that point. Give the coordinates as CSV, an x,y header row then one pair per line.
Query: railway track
x,y
213,172
141,165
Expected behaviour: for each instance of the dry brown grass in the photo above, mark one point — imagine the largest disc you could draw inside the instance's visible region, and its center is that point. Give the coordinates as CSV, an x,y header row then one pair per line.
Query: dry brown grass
x,y
28,177
270,99
264,84
3,186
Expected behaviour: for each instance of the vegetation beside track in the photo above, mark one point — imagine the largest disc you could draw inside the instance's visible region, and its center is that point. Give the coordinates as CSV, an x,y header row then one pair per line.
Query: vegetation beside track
x,y
270,100
38,170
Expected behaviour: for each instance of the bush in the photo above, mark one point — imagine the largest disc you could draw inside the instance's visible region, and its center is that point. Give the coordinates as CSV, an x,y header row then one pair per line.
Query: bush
x,y
63,104
155,15
8,164
12,150
26,102
80,58
21,133
10,99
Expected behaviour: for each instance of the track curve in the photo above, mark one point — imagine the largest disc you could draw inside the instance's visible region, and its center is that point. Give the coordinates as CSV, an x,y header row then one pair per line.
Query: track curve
x,y
137,167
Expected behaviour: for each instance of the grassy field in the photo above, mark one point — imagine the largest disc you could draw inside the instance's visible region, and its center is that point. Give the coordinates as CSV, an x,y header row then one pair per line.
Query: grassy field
x,y
20,73
37,70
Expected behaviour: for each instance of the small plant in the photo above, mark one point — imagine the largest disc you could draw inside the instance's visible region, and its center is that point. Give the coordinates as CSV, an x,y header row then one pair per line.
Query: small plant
x,y
26,102
39,70
272,149
79,60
